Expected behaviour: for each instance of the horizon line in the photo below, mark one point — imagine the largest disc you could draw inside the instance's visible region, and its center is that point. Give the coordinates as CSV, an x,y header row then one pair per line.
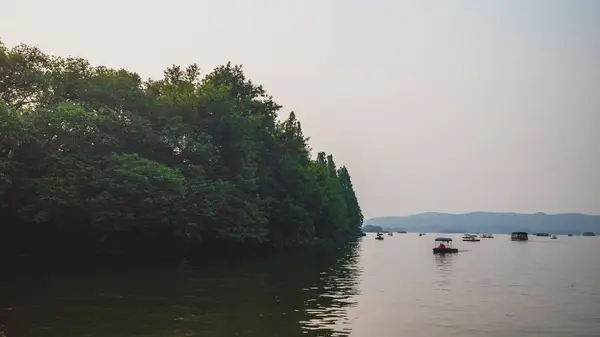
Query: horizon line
x,y
467,213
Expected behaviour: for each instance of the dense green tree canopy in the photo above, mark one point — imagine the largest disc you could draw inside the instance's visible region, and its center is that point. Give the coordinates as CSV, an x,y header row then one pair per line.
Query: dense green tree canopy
x,y
96,161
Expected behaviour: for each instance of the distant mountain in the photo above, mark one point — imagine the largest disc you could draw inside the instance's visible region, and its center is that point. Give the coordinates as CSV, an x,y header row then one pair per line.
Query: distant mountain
x,y
372,229
487,222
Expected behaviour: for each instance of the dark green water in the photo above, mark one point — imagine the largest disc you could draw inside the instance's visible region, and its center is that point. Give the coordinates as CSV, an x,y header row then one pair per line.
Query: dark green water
x,y
394,287
276,296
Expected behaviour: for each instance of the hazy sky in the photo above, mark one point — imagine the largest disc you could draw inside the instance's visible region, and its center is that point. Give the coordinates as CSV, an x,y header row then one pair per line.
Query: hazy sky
x,y
451,106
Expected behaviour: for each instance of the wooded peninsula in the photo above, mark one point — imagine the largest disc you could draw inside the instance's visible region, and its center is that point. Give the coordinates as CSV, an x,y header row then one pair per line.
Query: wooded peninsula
x,y
95,161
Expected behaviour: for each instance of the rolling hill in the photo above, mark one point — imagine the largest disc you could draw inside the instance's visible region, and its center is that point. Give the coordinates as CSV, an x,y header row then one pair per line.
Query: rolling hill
x,y
487,222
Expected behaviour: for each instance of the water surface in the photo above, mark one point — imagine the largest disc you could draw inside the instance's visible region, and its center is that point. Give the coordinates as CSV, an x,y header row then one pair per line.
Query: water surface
x,y
394,287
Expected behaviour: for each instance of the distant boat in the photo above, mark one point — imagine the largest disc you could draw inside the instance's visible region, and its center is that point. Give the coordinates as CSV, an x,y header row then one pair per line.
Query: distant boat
x,y
519,236
588,234
401,232
379,236
444,247
542,234
487,236
569,234
390,233
554,237
470,238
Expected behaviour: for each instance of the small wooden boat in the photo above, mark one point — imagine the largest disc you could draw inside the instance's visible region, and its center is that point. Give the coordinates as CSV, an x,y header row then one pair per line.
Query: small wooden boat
x,y
554,237
444,246
379,236
519,236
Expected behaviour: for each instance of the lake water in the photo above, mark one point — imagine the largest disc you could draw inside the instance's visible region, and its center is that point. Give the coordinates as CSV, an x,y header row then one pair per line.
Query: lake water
x,y
394,287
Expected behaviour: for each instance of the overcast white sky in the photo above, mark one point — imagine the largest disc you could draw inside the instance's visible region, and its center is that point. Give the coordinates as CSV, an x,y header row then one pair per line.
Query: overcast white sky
x,y
450,106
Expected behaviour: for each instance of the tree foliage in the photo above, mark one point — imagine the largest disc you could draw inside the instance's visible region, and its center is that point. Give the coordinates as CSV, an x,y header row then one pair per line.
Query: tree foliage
x,y
95,160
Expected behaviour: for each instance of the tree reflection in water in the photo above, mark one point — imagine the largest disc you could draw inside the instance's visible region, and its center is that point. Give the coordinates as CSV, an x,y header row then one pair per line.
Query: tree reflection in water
x,y
332,295
301,294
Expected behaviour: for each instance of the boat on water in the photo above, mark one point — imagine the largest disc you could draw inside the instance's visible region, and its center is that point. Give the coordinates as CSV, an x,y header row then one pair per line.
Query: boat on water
x,y
542,234
487,236
390,233
444,246
379,236
588,234
554,237
470,238
569,234
519,236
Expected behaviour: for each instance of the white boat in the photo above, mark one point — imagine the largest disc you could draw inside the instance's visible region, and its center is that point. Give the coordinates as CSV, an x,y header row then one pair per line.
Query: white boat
x,y
470,238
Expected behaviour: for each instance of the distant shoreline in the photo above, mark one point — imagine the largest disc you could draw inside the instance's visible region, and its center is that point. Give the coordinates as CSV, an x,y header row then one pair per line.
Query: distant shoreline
x,y
490,222
481,212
